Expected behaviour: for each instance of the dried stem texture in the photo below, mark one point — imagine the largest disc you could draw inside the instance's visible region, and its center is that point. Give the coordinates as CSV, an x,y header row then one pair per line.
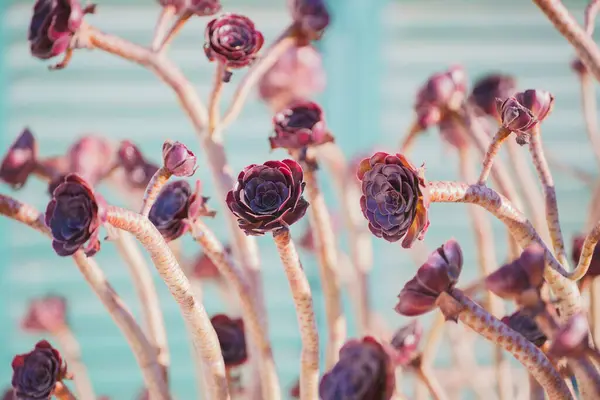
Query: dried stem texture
x,y
198,323
142,349
158,180
587,252
71,350
237,281
541,165
566,291
320,224
536,391
309,371
146,292
564,22
532,358
588,378
488,160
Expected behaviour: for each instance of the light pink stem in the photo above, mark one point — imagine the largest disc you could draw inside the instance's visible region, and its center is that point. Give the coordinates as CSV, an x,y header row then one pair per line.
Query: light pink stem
x,y
166,14
564,22
71,350
594,309
215,98
409,139
426,375
488,160
566,291
536,391
430,348
198,323
588,104
590,16
588,378
172,33
309,359
532,358
158,180
541,165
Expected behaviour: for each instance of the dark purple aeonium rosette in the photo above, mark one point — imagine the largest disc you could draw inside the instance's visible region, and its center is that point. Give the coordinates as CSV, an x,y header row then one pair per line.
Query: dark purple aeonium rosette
x,y
488,89
138,171
46,314
523,322
268,197
300,125
74,215
365,371
232,40
406,343
176,208
198,7
395,198
311,16
20,160
232,339
524,111
438,274
35,373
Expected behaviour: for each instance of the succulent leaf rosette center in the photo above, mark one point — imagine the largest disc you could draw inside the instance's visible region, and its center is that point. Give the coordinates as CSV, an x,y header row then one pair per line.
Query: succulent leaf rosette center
x,y
298,126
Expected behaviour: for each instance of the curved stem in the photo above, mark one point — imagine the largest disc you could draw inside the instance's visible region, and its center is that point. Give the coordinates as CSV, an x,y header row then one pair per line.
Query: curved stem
x,y
430,347
70,349
198,323
309,372
455,304
541,165
590,16
62,392
237,281
588,104
427,376
488,160
564,22
146,292
93,275
594,309
215,98
587,252
175,28
158,180
166,14
588,378
320,223
409,139
566,291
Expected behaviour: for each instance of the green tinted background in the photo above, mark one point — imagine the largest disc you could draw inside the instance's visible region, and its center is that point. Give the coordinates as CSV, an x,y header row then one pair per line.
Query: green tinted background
x,y
377,53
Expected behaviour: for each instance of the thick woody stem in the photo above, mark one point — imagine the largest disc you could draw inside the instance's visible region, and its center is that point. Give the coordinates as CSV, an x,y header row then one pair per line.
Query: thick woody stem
x,y
160,29
488,160
62,392
536,391
146,292
594,309
70,349
158,180
409,139
142,349
215,98
494,330
588,104
588,378
564,22
237,280
204,337
320,224
426,375
566,291
309,372
541,165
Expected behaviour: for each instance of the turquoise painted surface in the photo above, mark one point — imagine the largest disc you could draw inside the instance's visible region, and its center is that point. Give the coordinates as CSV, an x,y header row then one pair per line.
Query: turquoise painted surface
x,y
376,54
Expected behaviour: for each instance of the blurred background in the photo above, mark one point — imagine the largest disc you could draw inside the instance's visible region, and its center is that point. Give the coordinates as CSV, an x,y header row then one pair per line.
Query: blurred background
x,y
377,53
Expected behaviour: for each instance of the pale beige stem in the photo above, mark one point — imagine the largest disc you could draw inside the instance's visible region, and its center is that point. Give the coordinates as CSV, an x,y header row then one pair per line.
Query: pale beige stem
x,y
593,214
488,160
588,378
409,139
589,105
71,351
427,376
590,16
198,323
430,347
160,30
62,392
564,22
309,372
157,182
566,291
541,165
172,33
594,318
214,100
146,292
536,391
237,280
320,223
494,330
142,349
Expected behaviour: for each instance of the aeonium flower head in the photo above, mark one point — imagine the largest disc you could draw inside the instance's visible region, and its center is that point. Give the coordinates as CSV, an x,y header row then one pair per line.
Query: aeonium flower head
x,y
176,207
524,323
74,215
268,197
232,339
46,314
20,160
91,157
571,340
523,111
365,371
232,40
35,373
178,159
394,198
138,171
512,279
406,343
197,7
489,88
300,125
438,274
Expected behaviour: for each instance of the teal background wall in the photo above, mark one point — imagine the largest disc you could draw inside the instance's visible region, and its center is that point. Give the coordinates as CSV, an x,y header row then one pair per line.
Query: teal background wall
x,y
377,53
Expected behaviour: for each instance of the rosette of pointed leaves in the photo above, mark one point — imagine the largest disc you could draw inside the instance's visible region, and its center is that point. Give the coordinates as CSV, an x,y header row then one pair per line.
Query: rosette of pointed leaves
x,y
46,314
406,343
512,279
524,323
311,16
198,7
298,126
523,111
491,88
232,339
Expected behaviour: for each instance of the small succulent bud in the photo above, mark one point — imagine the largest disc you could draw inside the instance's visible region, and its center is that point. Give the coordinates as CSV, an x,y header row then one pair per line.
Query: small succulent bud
x,y
524,323
438,274
514,278
523,111
46,314
91,157
571,340
178,159
199,7
232,339
300,125
365,371
489,88
311,16
594,268
20,160
138,171
35,373
406,343
394,198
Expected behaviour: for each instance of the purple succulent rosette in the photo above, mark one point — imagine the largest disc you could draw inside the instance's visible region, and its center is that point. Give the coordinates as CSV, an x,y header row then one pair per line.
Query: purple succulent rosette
x,y
438,274
91,157
523,111
178,159
35,373
572,339
198,7
594,268
268,197
522,322
298,126
489,89
232,339
74,216
525,273
406,343
176,207
365,371
20,160
394,198
53,25
311,16
233,40
46,314
138,171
